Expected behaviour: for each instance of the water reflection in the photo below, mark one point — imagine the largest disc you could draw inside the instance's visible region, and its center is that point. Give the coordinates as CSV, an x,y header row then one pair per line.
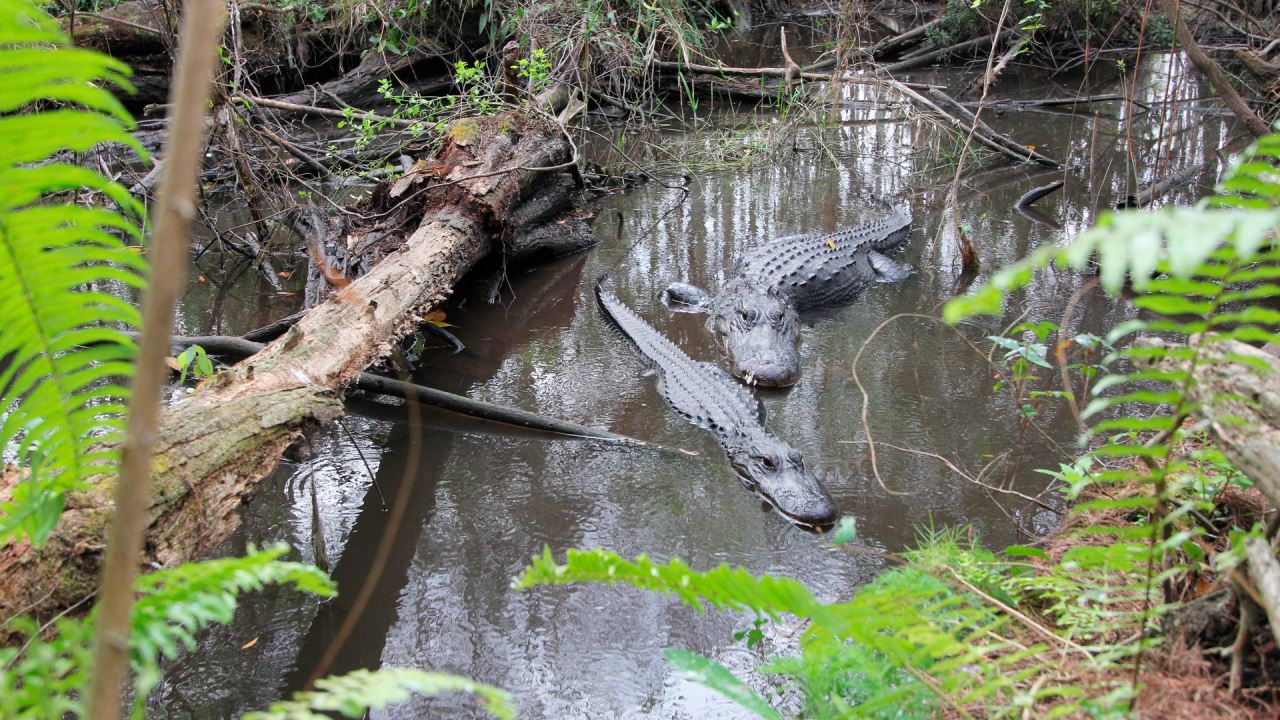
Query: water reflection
x,y
483,502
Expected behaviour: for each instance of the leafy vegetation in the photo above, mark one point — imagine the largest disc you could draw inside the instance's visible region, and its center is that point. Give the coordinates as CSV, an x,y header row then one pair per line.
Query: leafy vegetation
x,y
48,676
65,351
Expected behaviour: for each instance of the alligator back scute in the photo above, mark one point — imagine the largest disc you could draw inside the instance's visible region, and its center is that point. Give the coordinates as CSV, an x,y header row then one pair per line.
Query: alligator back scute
x,y
712,400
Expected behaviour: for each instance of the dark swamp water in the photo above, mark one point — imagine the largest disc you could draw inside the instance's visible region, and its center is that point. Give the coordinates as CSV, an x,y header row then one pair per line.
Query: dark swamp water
x,y
483,499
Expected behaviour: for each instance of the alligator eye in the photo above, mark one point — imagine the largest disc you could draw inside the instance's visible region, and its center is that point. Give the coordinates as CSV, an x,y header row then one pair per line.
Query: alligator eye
x,y
745,314
768,463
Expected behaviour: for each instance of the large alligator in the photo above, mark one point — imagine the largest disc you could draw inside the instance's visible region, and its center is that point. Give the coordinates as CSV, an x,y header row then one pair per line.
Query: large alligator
x,y
713,400
755,316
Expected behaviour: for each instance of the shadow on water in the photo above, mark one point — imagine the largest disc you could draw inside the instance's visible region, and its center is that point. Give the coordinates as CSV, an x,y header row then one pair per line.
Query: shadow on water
x,y
484,500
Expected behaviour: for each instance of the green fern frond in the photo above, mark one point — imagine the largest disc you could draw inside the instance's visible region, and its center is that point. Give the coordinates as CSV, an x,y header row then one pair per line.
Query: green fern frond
x,y
714,676
63,266
354,694
48,677
723,587
178,603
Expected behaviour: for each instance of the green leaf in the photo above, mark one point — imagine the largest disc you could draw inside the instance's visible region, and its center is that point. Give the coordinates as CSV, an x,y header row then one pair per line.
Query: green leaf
x,y
845,531
359,692
713,675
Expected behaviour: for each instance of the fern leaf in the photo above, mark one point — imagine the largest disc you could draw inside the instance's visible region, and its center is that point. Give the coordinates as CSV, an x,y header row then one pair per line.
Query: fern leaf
x,y
63,267
722,587
354,694
48,676
715,676
178,603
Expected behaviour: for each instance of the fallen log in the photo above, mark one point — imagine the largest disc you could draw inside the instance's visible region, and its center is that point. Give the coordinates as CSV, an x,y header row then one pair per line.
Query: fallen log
x,y
216,445
373,383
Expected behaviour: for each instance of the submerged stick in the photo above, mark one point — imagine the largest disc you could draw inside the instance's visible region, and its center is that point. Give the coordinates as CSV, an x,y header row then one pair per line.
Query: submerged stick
x,y
1035,194
1161,187
369,382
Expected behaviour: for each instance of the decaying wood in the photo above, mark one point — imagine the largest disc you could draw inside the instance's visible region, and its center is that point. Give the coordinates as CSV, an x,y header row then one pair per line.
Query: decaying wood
x,y
1265,573
217,444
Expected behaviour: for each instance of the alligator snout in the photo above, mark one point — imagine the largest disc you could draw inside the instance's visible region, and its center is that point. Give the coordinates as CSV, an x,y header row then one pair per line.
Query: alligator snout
x,y
769,375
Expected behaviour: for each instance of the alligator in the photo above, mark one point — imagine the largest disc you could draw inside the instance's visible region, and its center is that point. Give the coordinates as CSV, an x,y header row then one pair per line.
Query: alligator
x,y
755,316
711,399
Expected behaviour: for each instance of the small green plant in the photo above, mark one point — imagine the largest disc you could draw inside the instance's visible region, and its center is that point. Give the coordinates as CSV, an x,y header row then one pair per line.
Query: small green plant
x,y
719,24
195,361
535,70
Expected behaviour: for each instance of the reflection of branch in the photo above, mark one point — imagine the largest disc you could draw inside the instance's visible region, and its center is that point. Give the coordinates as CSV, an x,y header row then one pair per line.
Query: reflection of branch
x,y
866,399
962,473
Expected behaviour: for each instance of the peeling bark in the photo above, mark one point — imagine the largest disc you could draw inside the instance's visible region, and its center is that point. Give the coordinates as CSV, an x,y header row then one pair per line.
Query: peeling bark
x,y
216,445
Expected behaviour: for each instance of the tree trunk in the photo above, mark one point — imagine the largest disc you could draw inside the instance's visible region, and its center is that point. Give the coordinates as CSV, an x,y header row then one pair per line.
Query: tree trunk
x,y
215,446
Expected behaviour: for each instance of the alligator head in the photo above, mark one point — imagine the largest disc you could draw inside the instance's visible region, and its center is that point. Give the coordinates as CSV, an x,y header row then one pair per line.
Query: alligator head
x,y
775,471
757,328
759,331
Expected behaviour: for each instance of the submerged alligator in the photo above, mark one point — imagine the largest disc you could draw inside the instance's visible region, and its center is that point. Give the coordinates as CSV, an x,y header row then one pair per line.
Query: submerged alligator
x,y
755,316
713,400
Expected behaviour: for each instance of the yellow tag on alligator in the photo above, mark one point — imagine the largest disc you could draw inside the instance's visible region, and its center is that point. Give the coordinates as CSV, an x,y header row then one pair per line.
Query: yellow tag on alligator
x,y
831,243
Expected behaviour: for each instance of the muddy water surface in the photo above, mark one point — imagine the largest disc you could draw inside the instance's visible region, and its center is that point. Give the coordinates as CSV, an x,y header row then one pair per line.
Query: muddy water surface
x,y
481,500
